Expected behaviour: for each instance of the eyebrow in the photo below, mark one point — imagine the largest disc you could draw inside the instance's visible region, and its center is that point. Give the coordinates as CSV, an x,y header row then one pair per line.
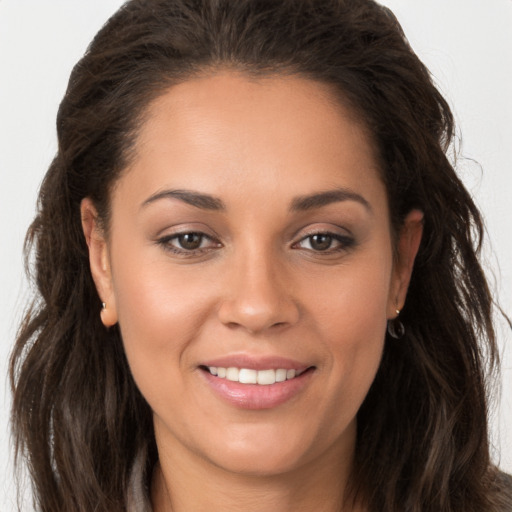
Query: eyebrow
x,y
319,199
203,201
299,204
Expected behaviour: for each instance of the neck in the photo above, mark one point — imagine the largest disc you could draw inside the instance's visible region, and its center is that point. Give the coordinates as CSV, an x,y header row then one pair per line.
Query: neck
x,y
184,482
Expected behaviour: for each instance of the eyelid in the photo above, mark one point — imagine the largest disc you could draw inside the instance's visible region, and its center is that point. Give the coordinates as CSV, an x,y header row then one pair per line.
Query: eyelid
x,y
165,241
322,229
345,240
182,228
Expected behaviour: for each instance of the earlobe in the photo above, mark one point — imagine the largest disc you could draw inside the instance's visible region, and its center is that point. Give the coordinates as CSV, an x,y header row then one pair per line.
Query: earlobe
x,y
99,261
407,248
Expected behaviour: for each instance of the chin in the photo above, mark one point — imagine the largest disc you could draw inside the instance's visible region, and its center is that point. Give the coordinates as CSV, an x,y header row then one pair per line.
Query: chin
x,y
258,465
262,453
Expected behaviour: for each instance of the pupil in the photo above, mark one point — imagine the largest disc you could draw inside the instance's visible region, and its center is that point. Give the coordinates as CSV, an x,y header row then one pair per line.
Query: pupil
x,y
321,242
190,241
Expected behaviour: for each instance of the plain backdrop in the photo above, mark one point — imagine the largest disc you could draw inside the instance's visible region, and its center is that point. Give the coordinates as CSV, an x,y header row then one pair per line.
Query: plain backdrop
x,y
467,44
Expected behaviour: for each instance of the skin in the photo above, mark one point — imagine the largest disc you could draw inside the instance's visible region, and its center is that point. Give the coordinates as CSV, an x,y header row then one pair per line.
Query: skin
x,y
259,285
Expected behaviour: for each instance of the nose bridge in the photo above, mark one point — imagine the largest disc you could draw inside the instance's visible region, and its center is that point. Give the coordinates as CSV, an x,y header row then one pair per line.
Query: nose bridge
x,y
259,296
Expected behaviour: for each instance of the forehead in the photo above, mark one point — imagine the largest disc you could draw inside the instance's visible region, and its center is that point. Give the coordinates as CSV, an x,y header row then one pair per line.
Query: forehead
x,y
281,134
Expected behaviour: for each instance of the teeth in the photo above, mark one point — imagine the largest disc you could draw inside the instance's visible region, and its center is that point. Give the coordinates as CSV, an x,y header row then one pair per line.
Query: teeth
x,y
281,375
248,376
233,374
266,377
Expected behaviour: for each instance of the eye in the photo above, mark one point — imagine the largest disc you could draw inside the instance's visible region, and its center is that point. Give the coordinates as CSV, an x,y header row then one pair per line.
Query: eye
x,y
319,242
188,243
325,242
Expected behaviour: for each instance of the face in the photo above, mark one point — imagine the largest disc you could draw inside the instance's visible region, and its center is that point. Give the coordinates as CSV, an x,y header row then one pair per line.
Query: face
x,y
249,264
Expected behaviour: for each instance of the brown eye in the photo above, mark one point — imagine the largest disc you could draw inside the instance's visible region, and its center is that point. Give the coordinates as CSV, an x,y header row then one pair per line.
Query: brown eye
x,y
190,241
326,242
320,242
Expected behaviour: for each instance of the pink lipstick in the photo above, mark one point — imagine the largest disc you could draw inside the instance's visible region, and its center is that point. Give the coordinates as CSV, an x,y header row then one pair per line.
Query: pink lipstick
x,y
256,383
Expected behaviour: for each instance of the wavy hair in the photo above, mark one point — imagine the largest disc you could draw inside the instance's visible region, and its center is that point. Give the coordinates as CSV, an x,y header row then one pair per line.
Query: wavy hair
x,y
78,418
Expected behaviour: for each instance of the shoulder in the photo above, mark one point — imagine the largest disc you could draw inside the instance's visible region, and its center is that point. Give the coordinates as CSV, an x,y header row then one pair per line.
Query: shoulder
x,y
503,497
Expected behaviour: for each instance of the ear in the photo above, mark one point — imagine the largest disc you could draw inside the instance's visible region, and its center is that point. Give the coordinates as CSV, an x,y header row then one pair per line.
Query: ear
x,y
408,244
99,261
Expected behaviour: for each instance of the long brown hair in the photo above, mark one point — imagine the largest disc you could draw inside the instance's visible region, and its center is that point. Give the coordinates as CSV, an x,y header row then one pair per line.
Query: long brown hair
x,y
78,418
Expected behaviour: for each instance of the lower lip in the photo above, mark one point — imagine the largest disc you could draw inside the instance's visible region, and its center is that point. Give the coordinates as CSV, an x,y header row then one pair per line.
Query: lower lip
x,y
254,396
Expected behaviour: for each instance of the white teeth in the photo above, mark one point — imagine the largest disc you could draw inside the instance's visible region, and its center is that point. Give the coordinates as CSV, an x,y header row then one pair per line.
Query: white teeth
x,y
232,374
280,375
266,377
248,376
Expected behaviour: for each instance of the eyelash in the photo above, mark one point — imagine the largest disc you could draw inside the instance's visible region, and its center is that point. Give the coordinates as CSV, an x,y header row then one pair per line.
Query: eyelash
x,y
166,243
344,243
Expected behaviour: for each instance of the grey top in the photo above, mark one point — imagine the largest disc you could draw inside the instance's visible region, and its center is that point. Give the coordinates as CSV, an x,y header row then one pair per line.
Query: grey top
x,y
137,499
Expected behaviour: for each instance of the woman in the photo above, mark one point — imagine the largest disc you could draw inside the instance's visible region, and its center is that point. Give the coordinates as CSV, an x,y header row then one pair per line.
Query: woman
x,y
258,274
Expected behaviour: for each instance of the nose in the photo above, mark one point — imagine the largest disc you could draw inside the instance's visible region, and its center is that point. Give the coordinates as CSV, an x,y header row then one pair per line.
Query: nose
x,y
258,296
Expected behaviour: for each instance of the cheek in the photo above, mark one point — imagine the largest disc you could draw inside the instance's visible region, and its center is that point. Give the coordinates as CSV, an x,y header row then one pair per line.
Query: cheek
x,y
352,320
155,299
352,305
160,314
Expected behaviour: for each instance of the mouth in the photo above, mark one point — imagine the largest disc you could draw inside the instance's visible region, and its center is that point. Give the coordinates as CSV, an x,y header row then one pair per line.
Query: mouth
x,y
265,377
256,382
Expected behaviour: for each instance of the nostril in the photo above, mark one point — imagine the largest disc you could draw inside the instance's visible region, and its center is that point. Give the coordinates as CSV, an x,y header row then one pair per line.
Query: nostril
x,y
232,325
257,312
236,325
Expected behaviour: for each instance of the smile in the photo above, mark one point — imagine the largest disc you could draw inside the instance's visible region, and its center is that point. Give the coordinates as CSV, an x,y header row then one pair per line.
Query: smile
x,y
249,376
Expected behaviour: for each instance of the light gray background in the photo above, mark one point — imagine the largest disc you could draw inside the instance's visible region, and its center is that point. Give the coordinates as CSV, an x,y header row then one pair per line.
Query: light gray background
x,y
467,44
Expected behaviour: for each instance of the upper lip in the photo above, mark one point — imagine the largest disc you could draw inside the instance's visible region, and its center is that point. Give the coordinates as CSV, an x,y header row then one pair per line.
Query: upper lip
x,y
256,362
